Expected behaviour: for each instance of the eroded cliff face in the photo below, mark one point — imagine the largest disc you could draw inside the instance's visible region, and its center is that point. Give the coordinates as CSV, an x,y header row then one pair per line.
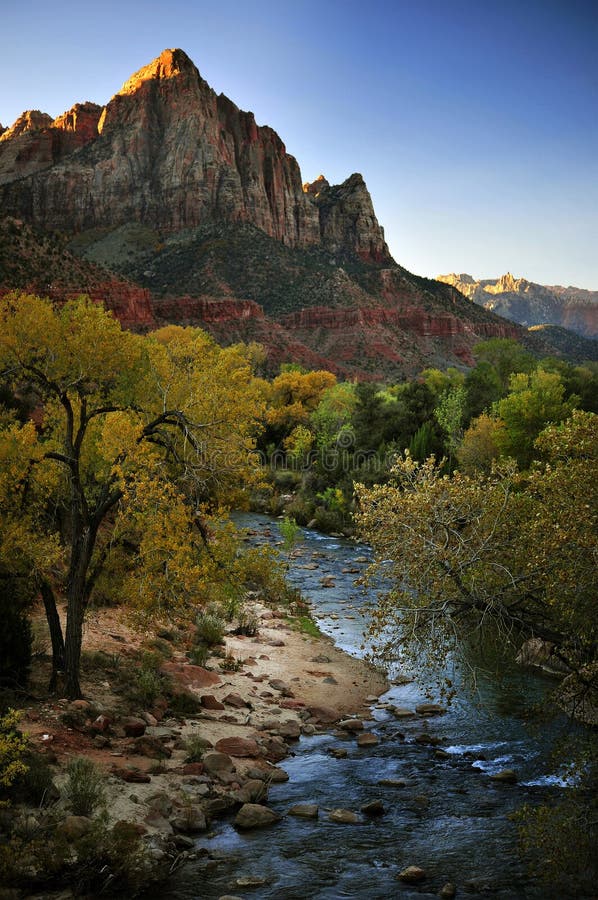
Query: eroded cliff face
x,y
36,141
531,304
168,152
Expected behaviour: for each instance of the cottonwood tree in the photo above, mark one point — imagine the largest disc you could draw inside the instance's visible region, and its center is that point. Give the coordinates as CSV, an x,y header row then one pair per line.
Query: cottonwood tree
x,y
137,436
511,552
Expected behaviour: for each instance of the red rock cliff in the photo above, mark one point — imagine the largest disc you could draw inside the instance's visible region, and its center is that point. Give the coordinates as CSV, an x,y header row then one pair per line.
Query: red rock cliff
x,y
168,152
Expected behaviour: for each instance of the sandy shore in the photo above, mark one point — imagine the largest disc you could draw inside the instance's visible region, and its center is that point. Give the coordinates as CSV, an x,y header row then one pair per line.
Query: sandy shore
x,y
288,684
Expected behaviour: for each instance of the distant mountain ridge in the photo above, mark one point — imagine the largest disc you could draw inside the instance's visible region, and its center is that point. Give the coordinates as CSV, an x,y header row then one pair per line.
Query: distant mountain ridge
x,y
532,304
173,205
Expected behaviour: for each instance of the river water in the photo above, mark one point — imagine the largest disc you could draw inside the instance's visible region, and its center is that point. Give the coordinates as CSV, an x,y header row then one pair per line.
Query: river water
x,y
448,816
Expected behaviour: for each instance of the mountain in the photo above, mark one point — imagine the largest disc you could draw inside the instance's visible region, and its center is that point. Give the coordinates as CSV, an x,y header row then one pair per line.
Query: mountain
x,y
174,197
532,304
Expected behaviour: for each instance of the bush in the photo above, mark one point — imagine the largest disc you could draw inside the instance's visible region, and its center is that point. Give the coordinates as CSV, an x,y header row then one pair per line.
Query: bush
x,y
196,746
328,520
148,686
199,655
301,510
184,704
289,531
84,788
247,623
210,628
13,747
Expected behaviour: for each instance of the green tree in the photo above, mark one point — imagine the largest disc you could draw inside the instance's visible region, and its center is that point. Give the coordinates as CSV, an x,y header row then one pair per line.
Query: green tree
x,y
159,425
506,356
532,403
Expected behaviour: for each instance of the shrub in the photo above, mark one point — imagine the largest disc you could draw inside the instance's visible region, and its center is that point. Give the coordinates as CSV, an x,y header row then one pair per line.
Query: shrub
x,y
148,686
196,746
184,704
231,664
84,788
210,628
247,623
199,655
13,747
289,531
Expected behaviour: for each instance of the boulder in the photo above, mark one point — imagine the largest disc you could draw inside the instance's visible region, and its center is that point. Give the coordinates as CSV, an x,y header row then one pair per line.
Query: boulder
x,y
325,715
236,701
506,776
133,727
238,746
344,817
216,763
208,701
74,827
373,808
152,747
191,676
412,875
367,739
254,815
304,811
189,821
351,725
131,775
430,709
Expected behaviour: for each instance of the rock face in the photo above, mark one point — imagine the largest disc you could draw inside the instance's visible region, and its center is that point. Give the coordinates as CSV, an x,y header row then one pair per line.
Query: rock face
x,y
168,151
532,304
36,141
171,205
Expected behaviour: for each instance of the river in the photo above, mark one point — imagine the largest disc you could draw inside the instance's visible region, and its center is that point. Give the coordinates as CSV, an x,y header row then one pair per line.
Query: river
x,y
444,813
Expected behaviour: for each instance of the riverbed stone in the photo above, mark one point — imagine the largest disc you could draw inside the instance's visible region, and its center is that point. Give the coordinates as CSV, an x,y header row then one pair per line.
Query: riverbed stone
x,y
447,891
276,775
325,715
412,875
373,808
351,725
367,739
304,811
401,712
506,776
254,815
189,821
217,763
344,816
430,709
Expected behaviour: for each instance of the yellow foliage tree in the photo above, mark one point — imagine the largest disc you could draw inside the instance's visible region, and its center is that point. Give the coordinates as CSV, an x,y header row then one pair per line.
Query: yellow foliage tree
x,y
136,431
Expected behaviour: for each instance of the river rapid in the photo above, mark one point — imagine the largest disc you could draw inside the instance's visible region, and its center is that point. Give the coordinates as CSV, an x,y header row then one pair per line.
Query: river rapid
x,y
442,811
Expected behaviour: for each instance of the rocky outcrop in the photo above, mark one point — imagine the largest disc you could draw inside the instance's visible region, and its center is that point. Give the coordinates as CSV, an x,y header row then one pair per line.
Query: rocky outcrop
x,y
532,304
207,310
167,151
36,141
348,222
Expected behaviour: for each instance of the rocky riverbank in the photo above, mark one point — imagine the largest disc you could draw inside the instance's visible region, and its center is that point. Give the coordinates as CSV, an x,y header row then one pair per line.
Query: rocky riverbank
x,y
170,775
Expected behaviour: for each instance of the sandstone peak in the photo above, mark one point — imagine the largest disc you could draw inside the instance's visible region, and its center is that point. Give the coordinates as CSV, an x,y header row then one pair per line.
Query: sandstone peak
x,y
316,187
30,120
169,64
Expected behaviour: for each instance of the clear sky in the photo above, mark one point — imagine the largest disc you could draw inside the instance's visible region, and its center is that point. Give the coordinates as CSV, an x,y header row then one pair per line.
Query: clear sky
x,y
473,122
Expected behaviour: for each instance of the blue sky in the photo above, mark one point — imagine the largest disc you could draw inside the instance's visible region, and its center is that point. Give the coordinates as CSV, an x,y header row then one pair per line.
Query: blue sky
x,y
474,124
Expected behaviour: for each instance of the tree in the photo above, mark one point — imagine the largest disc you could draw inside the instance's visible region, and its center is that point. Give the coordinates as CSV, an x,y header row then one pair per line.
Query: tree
x,y
481,444
159,425
506,356
449,413
532,403
507,552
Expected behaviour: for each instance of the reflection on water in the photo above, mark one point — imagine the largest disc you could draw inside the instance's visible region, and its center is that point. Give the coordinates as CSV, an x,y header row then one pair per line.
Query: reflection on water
x,y
442,810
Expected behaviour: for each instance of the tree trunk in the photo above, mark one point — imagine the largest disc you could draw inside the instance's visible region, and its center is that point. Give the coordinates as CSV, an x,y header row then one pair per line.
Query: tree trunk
x,y
81,551
56,635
